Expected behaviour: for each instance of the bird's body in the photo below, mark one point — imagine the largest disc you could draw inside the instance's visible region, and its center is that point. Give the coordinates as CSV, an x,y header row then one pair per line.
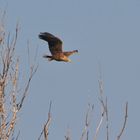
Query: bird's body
x,y
55,47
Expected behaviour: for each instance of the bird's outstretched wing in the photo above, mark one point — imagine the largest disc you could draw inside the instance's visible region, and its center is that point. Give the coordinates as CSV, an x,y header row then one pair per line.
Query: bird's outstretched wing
x,y
55,44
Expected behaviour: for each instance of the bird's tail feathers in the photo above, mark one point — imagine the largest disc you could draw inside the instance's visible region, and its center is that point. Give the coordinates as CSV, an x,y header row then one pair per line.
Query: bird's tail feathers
x,y
49,57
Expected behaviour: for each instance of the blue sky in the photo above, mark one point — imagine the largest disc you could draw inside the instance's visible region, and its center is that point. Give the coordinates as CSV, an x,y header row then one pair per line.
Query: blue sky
x,y
106,32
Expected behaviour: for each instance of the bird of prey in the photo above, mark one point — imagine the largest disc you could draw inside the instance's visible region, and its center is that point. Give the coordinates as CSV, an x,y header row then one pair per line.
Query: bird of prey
x,y
55,47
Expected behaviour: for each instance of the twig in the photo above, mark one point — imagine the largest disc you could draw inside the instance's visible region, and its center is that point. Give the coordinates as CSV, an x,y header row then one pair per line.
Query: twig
x,y
87,121
125,120
12,124
18,135
99,125
33,71
46,126
87,135
107,122
7,58
68,137
101,99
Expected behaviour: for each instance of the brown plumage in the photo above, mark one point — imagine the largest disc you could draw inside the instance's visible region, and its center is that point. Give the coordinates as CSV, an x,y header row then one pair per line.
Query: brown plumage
x,y
55,47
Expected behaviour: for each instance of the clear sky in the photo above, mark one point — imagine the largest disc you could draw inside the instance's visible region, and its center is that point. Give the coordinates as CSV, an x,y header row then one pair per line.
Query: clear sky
x,y
106,32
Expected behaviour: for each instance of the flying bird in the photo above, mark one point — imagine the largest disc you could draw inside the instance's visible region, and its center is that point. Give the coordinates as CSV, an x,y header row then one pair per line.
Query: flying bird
x,y
55,47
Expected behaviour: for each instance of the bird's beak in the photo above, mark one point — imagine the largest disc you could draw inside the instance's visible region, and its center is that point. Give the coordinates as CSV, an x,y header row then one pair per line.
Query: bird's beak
x,y
69,60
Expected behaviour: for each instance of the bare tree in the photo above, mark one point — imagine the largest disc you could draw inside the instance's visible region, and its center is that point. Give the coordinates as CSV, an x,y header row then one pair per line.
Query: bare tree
x,y
11,99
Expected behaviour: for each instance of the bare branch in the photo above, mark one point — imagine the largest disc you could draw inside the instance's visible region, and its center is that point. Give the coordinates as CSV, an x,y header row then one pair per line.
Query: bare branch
x,y
103,107
47,124
68,137
87,121
2,28
99,125
18,135
33,71
125,120
107,121
12,124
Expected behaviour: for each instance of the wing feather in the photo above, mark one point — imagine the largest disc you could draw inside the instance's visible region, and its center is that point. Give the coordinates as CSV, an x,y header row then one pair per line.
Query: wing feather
x,y
55,44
